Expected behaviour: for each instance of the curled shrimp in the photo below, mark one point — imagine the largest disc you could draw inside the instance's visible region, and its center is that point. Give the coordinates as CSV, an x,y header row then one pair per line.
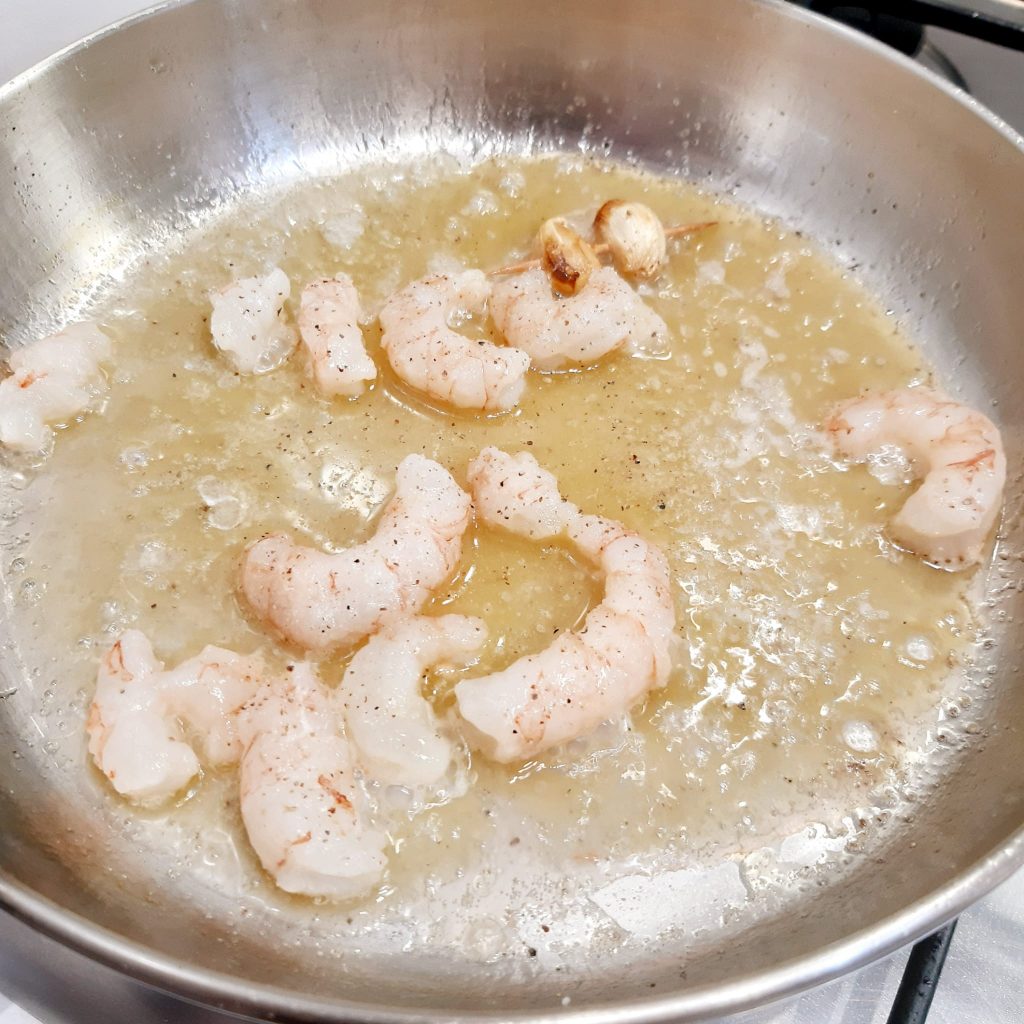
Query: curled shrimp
x,y
428,354
135,723
584,677
52,380
321,600
558,331
298,797
248,325
956,452
329,326
399,738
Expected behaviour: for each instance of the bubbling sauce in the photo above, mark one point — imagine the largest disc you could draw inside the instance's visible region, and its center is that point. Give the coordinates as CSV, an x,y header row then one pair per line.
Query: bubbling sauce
x,y
812,653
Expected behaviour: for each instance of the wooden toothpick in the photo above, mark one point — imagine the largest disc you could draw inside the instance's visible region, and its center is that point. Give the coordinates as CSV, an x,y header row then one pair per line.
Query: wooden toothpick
x,y
602,247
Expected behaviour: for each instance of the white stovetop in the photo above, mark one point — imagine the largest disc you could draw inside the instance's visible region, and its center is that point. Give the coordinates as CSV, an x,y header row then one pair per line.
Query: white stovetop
x,y
983,974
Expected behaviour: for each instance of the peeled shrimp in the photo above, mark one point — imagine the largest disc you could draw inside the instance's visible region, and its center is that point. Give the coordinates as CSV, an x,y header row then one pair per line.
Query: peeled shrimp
x,y
516,493
431,356
136,720
558,331
956,451
329,325
52,380
248,324
322,600
298,798
583,678
392,724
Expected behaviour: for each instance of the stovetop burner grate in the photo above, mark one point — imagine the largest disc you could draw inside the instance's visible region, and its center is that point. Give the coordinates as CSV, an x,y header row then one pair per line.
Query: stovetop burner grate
x,y
920,978
900,22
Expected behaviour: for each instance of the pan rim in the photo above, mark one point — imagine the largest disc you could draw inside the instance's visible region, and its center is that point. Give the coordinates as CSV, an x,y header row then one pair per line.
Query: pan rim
x,y
208,987
212,988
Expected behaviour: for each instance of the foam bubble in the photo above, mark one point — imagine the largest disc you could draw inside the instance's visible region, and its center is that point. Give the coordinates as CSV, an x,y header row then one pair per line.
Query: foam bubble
x,y
860,736
919,648
344,229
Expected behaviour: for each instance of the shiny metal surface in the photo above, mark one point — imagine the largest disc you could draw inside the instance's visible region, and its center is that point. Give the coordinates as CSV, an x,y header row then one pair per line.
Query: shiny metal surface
x,y
107,150
59,986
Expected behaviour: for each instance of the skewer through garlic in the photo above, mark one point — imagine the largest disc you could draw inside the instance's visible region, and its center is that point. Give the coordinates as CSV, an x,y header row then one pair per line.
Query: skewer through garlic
x,y
631,233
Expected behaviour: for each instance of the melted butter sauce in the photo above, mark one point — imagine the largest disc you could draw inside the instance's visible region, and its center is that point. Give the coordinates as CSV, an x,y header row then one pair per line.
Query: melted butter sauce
x,y
811,652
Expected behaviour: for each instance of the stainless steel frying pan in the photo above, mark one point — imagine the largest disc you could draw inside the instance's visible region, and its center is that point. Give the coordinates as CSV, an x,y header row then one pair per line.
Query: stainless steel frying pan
x,y
110,148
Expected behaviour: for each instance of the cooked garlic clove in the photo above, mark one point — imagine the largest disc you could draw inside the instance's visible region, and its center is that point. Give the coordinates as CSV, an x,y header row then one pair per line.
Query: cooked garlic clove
x,y
634,236
567,258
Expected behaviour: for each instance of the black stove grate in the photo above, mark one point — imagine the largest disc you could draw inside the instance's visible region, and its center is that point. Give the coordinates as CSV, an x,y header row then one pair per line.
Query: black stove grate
x,y
921,977
899,22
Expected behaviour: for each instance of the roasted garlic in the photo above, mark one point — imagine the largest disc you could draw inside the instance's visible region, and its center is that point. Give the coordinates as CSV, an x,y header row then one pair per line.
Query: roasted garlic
x,y
634,236
567,258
